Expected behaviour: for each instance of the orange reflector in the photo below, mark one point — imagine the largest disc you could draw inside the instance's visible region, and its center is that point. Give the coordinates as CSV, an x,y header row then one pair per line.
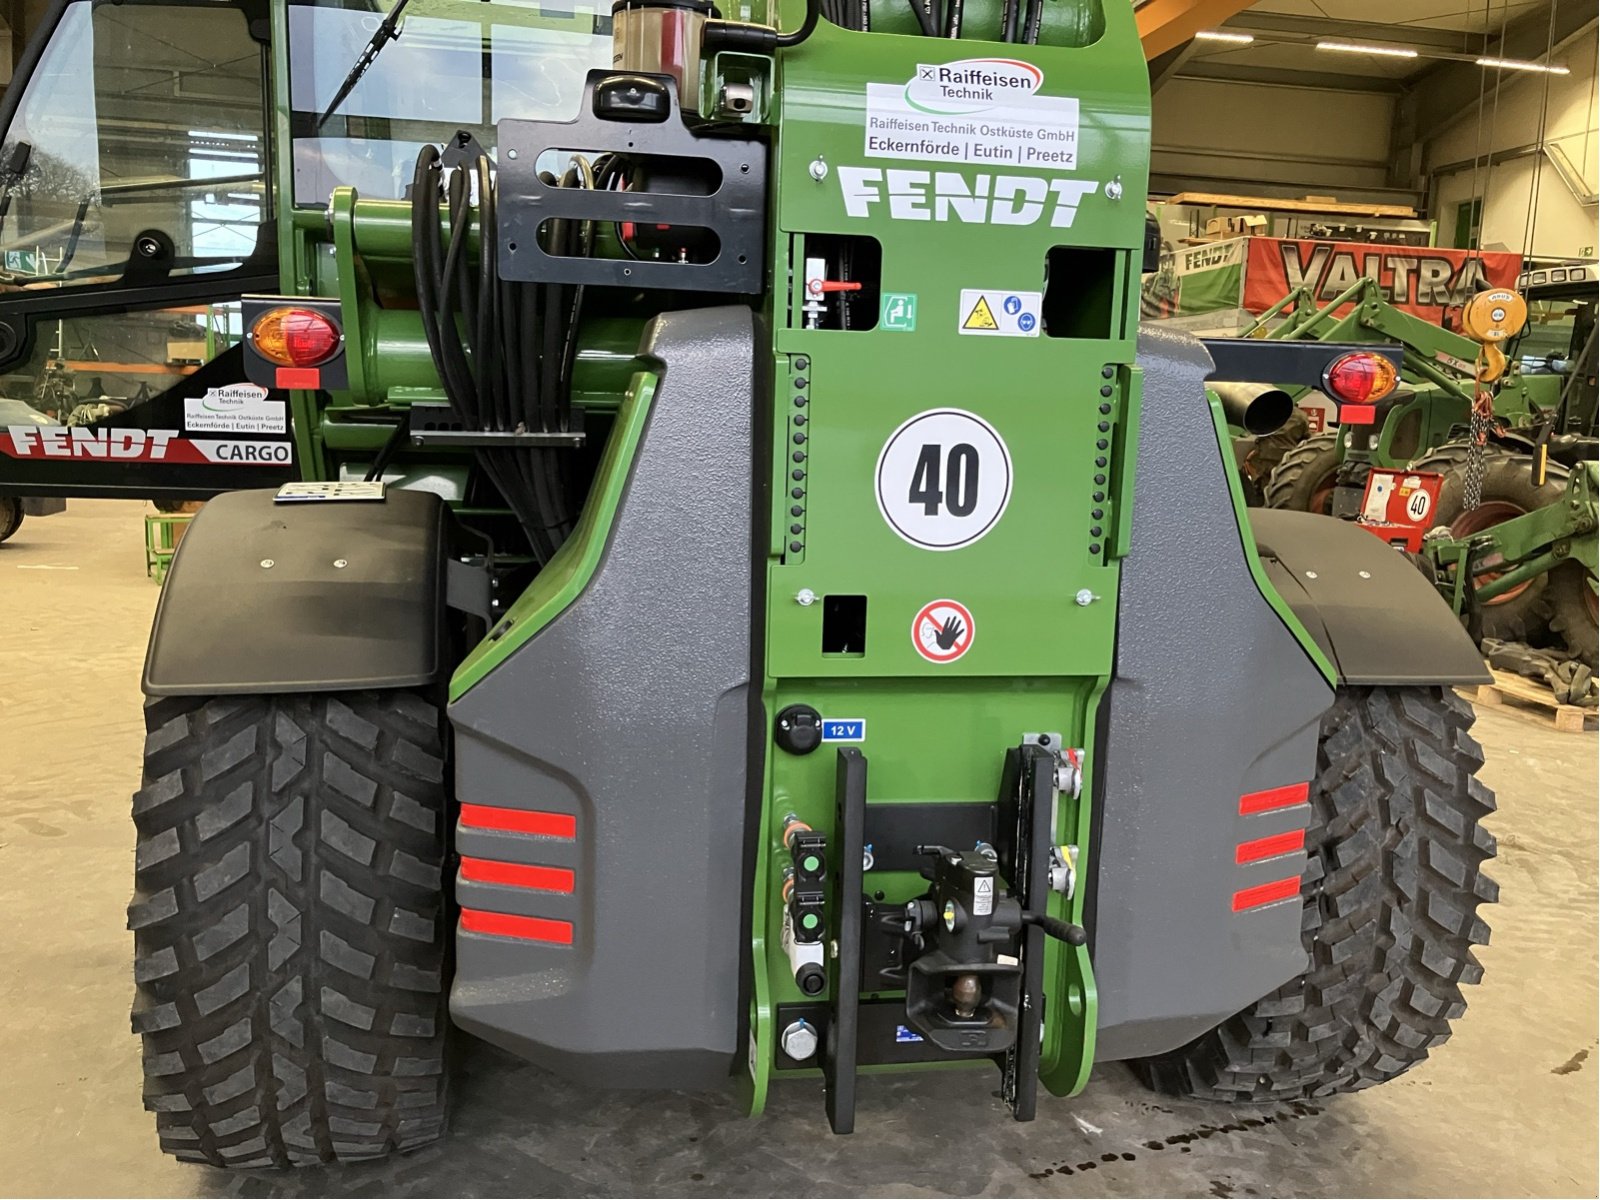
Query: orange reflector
x,y
1270,846
1271,798
295,337
519,820
1360,378
1250,897
528,929
542,879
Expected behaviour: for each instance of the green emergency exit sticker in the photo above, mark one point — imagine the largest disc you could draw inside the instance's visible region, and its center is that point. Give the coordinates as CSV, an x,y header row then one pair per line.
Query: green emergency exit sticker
x,y
899,313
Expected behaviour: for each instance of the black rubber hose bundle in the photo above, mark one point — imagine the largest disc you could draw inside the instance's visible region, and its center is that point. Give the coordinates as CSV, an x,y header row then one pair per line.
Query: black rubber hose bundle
x,y
502,369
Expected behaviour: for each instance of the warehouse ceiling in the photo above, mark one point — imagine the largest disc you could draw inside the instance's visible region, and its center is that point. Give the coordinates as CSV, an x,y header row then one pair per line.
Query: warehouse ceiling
x,y
1424,38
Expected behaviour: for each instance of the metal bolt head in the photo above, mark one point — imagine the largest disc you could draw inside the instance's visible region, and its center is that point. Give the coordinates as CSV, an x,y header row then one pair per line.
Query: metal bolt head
x,y
799,1040
819,169
1365,574
1084,598
1114,188
511,153
267,564
1311,575
805,597
341,563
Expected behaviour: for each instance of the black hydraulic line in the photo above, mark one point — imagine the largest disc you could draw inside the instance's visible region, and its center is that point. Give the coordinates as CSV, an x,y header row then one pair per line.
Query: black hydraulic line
x,y
1008,21
864,15
923,11
1032,21
759,39
952,19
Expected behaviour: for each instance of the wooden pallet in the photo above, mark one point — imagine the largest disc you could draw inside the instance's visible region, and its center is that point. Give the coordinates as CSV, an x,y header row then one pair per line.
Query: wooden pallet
x,y
1518,690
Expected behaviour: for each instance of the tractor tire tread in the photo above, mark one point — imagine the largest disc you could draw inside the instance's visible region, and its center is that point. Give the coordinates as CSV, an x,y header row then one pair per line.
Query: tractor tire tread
x,y
1391,893
1292,480
286,1020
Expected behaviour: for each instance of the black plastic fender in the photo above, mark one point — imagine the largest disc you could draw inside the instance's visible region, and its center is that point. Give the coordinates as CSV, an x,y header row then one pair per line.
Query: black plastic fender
x,y
264,597
1368,608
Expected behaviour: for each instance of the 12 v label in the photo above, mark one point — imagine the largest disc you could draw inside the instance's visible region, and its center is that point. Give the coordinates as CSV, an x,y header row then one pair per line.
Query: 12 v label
x,y
844,729
943,479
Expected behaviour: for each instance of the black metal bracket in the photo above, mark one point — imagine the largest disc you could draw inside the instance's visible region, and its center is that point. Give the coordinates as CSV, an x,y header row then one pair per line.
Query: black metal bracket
x,y
437,425
1025,803
894,831
844,967
734,210
1283,361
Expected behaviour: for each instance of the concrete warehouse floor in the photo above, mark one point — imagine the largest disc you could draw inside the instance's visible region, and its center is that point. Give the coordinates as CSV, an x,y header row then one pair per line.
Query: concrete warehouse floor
x,y
1508,1108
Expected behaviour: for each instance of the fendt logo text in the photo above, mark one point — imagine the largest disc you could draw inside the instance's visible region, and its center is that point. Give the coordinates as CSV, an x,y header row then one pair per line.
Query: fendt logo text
x,y
947,196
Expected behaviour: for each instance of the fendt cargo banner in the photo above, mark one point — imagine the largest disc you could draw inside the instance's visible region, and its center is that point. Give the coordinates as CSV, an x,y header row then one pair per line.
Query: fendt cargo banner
x,y
1422,280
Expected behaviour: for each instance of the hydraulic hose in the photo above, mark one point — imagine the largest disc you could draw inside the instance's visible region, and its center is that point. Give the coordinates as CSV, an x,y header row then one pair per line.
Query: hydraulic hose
x,y
759,39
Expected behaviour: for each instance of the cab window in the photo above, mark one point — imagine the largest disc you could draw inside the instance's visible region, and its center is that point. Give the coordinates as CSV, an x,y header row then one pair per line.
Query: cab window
x,y
140,138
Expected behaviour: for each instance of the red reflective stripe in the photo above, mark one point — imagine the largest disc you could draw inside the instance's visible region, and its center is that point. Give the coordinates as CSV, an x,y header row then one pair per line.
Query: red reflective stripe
x,y
298,377
1265,893
530,929
545,879
1357,414
1279,797
1271,847
519,820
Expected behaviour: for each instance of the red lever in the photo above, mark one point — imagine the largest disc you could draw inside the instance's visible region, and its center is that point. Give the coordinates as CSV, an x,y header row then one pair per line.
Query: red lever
x,y
820,286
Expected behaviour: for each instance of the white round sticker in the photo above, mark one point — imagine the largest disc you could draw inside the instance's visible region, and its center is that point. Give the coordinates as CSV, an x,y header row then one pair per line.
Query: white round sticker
x,y
944,479
1419,505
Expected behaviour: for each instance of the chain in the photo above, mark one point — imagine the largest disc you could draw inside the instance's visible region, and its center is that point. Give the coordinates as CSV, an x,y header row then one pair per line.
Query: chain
x,y
1482,422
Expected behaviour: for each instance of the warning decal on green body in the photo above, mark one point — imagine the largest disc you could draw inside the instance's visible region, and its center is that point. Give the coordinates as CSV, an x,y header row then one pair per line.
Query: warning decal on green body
x,y
990,312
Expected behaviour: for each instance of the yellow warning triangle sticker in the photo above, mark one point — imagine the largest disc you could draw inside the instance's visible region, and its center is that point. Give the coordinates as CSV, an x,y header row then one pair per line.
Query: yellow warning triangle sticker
x,y
980,317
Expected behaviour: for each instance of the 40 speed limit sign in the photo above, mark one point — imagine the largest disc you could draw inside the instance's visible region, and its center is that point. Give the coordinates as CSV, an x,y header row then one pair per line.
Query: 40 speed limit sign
x,y
943,479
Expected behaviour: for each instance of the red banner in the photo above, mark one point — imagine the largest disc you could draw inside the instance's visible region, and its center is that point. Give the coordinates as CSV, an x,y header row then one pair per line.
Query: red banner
x,y
1422,280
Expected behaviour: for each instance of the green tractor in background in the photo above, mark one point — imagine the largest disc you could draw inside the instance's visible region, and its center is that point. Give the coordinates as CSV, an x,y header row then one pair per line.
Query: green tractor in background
x,y
1533,449
708,584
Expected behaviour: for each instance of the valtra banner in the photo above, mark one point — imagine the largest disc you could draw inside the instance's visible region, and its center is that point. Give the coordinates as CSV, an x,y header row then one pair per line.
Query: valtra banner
x,y
1422,280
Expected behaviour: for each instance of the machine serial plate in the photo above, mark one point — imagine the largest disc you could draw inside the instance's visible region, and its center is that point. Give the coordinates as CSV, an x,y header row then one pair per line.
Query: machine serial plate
x,y
318,490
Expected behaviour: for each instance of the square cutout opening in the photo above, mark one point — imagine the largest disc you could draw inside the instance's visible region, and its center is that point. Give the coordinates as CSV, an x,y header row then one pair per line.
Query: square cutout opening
x,y
844,625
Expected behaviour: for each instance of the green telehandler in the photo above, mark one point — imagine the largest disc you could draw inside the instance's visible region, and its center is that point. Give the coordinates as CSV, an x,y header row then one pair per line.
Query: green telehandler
x,y
706,583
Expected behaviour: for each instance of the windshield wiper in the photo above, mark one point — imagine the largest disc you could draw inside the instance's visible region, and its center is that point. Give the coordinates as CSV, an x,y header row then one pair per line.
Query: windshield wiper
x,y
388,29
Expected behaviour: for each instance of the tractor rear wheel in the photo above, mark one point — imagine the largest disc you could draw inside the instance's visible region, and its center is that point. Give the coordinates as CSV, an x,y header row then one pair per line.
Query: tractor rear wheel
x,y
1304,479
289,926
10,516
1522,613
1575,611
1391,890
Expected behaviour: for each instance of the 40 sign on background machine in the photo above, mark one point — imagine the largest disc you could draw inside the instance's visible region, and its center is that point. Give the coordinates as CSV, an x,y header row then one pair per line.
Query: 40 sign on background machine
x,y
753,606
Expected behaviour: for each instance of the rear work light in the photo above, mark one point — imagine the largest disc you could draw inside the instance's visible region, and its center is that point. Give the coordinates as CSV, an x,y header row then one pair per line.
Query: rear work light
x,y
295,337
1360,378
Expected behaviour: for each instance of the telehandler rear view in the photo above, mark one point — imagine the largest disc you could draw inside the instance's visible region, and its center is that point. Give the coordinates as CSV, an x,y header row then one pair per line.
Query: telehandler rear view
x,y
708,584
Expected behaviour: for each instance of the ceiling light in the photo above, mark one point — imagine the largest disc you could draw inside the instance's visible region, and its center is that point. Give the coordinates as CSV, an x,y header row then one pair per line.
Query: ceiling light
x,y
1518,64
1213,35
1358,48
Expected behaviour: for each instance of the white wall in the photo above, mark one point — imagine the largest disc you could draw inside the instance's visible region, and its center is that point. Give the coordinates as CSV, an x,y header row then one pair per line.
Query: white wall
x,y
1304,139
1562,227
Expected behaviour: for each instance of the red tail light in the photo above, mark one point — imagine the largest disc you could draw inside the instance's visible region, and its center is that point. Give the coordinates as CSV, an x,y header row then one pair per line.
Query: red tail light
x,y
1360,378
295,337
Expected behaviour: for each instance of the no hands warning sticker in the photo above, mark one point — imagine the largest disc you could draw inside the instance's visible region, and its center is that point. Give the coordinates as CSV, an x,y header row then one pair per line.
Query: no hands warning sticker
x,y
989,312
943,631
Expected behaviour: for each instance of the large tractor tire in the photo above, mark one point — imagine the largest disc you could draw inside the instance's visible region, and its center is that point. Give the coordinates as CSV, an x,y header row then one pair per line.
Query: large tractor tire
x,y
1575,611
290,926
1303,480
10,516
1521,614
1391,890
